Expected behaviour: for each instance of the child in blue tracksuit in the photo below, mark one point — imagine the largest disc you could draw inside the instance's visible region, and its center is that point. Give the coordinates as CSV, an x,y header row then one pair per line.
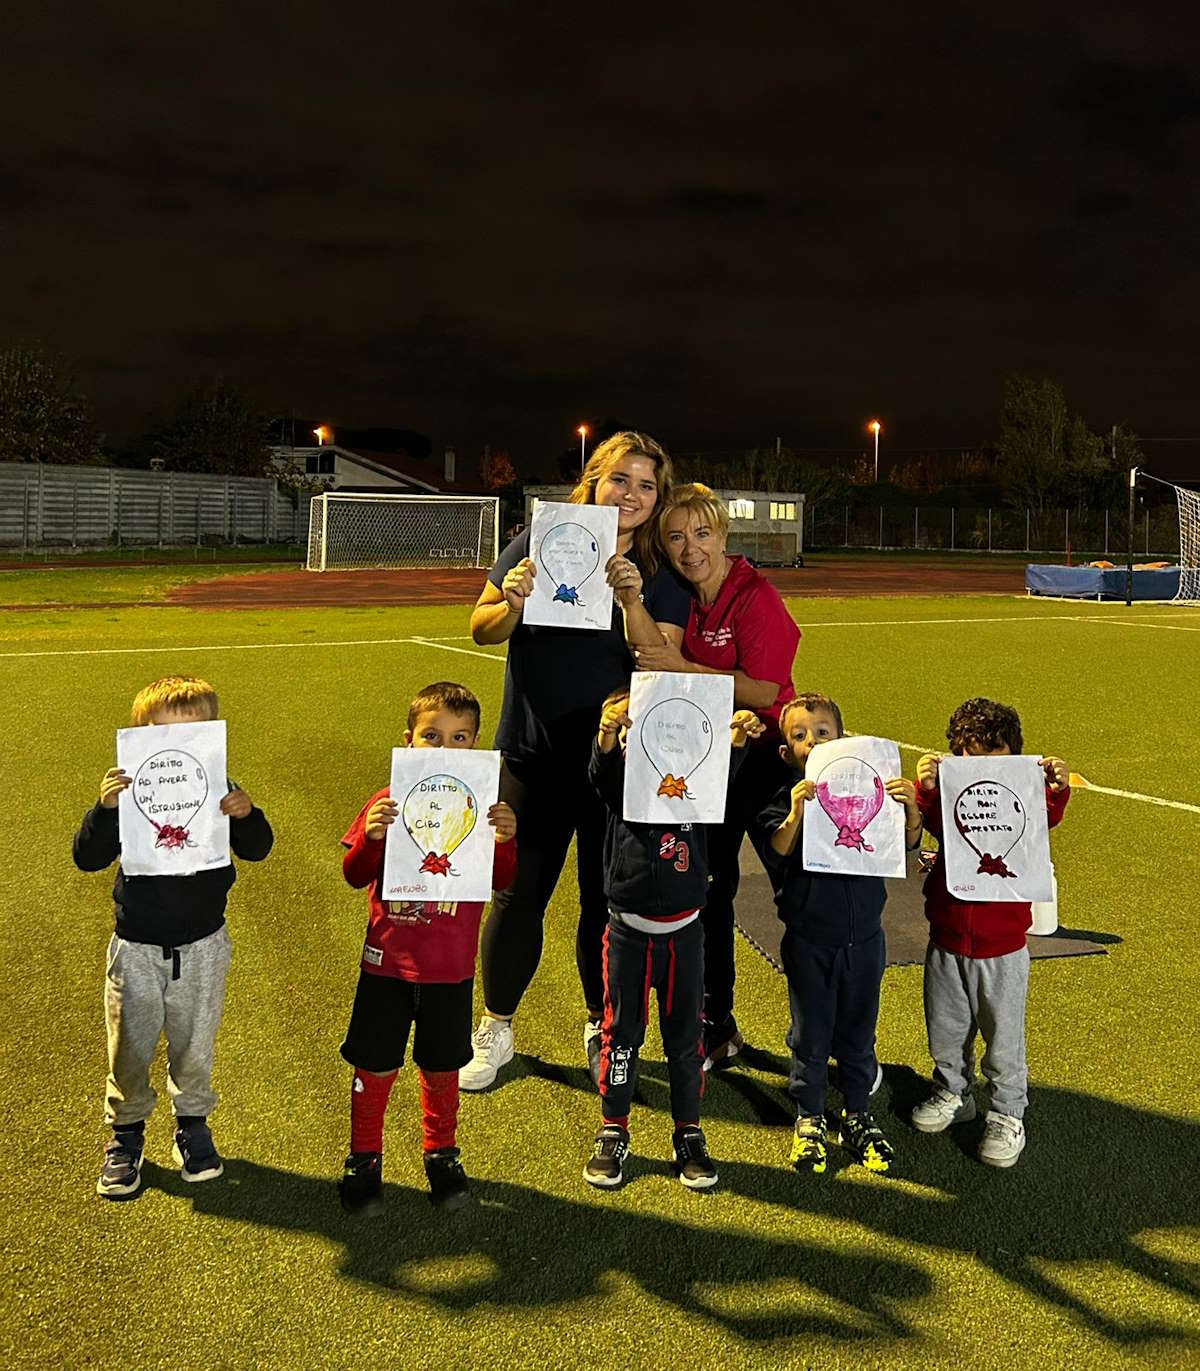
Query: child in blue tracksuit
x,y
832,950
656,882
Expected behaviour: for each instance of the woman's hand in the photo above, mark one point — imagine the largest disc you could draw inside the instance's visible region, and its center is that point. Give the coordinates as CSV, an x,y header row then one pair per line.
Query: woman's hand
x,y
662,656
625,579
517,585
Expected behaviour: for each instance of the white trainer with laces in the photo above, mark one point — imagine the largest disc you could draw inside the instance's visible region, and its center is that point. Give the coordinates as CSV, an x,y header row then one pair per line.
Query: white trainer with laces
x,y
941,1109
1003,1139
492,1042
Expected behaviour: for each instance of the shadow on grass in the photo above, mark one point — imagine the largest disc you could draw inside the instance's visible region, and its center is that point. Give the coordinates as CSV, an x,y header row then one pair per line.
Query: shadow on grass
x,y
1095,1182
519,1248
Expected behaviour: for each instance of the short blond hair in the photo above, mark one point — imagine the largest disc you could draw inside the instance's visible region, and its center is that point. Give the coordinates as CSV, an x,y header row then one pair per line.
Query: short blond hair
x,y
173,692
697,499
629,443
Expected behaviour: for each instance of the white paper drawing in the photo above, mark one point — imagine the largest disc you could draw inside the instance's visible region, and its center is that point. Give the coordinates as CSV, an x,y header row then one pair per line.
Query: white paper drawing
x,y
853,827
677,751
441,846
169,818
995,832
570,546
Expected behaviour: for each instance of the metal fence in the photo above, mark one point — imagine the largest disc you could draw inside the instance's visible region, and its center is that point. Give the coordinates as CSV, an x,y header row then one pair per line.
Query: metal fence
x,y
44,505
998,529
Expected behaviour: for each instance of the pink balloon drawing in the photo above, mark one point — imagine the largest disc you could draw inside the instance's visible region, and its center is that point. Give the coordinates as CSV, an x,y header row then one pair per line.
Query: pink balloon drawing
x,y
991,819
850,791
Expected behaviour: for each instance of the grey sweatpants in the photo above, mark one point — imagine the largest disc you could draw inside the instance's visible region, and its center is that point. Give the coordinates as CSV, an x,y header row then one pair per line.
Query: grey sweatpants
x,y
142,1001
965,995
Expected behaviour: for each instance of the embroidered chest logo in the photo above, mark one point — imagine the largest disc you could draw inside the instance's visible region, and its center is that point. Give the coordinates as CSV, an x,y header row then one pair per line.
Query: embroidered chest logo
x,y
672,850
717,637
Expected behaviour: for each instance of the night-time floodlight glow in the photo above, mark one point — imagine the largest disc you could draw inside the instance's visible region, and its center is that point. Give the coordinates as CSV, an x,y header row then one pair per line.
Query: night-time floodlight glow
x,y
322,435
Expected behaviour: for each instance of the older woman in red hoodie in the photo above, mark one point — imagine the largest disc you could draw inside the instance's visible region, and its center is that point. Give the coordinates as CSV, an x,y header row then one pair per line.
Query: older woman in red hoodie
x,y
737,627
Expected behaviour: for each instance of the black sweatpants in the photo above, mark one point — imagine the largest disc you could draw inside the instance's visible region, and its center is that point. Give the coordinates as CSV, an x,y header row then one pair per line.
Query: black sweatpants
x,y
551,805
672,965
834,996
758,779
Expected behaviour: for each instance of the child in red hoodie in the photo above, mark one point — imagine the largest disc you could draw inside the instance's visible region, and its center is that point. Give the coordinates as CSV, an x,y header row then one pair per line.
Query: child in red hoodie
x,y
418,968
977,963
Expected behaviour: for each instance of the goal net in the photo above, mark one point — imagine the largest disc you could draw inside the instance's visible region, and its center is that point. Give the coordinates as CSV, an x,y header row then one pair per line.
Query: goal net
x,y
1189,544
348,532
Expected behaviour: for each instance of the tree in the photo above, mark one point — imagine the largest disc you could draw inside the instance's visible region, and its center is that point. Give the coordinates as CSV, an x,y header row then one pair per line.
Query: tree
x,y
1033,437
214,429
43,417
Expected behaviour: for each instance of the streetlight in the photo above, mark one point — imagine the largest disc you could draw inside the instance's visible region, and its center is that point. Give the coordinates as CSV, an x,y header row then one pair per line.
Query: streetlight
x,y
582,431
322,434
875,426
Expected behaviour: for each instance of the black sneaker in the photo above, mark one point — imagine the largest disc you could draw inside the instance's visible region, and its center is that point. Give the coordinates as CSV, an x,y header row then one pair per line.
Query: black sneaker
x,y
860,1136
448,1187
692,1163
121,1175
198,1159
722,1042
608,1155
361,1187
808,1144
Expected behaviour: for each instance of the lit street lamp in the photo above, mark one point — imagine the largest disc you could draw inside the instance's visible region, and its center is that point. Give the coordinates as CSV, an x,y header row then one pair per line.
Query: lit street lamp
x,y
582,431
875,426
322,435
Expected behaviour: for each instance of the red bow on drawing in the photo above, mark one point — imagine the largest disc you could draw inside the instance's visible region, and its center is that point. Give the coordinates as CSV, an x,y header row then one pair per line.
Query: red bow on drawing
x,y
435,865
993,866
170,836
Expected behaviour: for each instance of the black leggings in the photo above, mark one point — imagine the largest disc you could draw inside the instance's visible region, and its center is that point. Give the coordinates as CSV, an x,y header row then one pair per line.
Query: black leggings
x,y
757,780
551,805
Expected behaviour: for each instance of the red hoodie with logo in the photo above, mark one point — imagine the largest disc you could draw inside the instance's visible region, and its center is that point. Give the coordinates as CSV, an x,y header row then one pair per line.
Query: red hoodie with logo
x,y
432,944
962,926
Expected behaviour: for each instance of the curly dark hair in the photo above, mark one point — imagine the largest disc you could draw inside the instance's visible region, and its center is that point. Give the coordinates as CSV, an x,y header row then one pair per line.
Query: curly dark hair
x,y
810,700
986,724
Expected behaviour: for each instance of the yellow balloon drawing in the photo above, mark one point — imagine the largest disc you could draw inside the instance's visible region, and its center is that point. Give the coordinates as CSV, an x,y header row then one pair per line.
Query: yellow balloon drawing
x,y
439,814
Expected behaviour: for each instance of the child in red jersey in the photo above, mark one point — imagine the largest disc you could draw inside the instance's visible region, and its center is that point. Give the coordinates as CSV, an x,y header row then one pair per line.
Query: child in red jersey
x,y
418,968
977,962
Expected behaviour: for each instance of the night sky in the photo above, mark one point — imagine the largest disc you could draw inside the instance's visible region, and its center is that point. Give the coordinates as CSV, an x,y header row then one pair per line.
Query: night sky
x,y
489,222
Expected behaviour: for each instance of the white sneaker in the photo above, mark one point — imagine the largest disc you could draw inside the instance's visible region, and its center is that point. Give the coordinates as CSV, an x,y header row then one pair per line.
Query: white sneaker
x,y
941,1109
493,1045
1003,1139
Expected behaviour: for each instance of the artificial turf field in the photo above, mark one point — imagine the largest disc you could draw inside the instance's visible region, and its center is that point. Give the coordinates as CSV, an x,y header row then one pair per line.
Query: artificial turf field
x,y
1086,1254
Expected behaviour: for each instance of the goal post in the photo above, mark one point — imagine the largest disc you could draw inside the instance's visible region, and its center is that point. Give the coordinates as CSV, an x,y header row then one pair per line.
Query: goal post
x,y
1189,545
364,530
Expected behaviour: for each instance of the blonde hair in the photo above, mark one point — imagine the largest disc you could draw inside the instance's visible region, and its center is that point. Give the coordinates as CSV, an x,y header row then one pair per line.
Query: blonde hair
x,y
629,444
697,499
173,692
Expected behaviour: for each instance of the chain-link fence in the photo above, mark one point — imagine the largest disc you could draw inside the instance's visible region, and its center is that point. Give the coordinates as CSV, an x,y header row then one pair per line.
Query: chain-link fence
x,y
49,506
1092,533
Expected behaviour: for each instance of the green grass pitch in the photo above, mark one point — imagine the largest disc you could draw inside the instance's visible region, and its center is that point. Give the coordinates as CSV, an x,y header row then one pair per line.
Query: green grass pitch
x,y
1086,1254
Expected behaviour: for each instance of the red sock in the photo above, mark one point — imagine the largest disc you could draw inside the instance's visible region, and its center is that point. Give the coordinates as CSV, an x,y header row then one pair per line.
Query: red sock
x,y
620,1120
439,1108
368,1100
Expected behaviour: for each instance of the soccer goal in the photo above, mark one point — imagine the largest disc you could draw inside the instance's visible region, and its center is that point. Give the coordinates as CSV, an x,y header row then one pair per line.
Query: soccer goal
x,y
349,532
1189,545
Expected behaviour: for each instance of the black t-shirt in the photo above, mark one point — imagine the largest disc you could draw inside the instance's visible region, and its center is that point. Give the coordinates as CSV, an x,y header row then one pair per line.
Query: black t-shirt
x,y
556,679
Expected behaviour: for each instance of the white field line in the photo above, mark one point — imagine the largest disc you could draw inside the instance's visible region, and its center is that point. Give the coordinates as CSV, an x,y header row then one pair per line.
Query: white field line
x,y
494,657
1099,789
996,619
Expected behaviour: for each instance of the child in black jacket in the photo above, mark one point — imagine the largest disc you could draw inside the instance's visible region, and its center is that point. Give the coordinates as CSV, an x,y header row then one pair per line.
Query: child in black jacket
x,y
832,951
656,881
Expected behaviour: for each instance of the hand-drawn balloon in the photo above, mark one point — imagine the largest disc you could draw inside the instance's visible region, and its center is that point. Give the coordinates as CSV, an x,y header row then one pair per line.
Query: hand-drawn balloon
x,y
677,737
850,791
569,554
439,814
991,819
169,789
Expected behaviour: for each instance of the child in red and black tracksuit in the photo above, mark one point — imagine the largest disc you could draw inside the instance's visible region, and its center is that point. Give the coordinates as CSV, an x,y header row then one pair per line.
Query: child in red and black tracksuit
x,y
418,968
832,950
977,962
655,881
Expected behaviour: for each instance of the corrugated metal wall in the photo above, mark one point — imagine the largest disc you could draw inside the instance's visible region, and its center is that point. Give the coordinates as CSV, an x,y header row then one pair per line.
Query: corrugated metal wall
x,y
44,505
